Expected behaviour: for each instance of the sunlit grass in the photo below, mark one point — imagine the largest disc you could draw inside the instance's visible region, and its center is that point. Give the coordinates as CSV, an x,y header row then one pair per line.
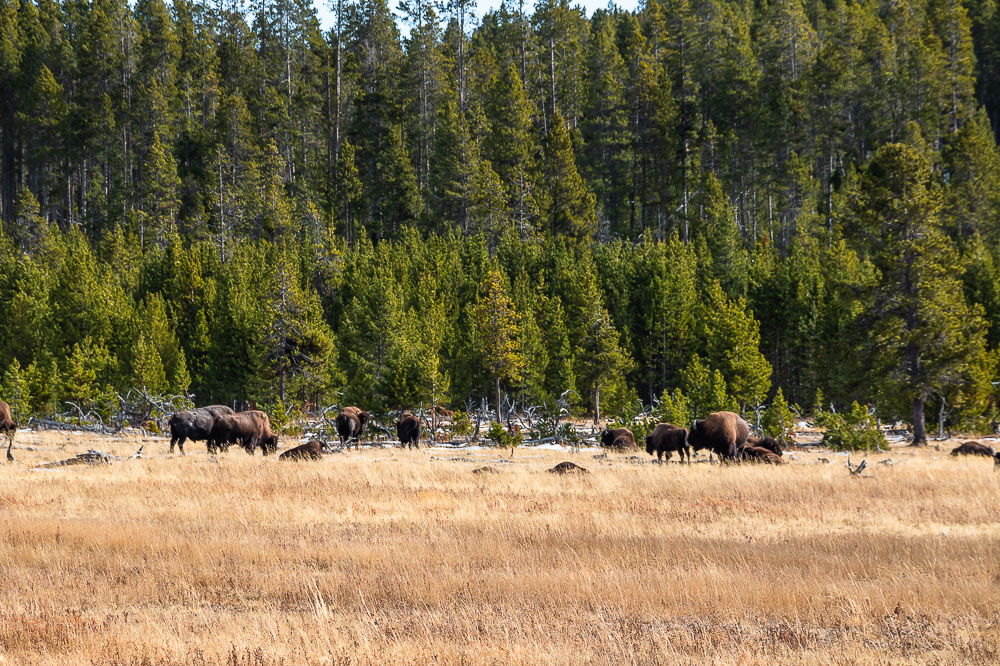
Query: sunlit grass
x,y
389,556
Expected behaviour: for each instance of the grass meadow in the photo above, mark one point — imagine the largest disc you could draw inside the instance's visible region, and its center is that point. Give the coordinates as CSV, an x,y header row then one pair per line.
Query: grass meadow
x,y
396,557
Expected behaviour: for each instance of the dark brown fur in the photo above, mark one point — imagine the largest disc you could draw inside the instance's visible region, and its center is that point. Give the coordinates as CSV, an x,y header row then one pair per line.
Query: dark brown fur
x,y
568,468
667,438
351,423
311,450
7,427
618,439
759,454
972,449
769,443
250,429
194,424
408,430
724,433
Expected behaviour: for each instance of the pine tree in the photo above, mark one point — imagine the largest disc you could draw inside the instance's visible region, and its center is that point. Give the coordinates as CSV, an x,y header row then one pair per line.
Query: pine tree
x,y
571,206
923,337
498,330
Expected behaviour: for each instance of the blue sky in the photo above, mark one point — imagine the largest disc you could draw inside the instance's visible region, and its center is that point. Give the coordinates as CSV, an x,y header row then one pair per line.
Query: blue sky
x,y
326,15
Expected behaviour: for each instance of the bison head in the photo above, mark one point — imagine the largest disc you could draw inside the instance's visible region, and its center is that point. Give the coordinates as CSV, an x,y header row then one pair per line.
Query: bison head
x,y
607,437
649,445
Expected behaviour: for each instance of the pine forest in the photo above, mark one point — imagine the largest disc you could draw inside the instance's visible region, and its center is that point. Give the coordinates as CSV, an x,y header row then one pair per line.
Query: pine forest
x,y
702,204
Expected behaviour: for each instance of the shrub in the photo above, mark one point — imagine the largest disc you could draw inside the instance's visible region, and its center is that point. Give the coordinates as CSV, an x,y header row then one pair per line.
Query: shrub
x,y
854,430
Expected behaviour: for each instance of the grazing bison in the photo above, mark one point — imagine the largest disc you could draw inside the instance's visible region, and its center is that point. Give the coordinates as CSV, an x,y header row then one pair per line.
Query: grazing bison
x,y
408,430
311,450
7,427
972,449
996,460
724,433
667,438
769,443
351,423
619,439
195,424
568,468
759,454
248,429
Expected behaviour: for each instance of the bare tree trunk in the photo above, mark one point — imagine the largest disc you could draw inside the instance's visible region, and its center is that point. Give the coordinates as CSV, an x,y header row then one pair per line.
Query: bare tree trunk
x,y
919,429
597,403
499,417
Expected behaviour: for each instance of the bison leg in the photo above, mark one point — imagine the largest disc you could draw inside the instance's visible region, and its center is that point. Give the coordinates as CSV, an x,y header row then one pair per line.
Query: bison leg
x,y
180,444
687,451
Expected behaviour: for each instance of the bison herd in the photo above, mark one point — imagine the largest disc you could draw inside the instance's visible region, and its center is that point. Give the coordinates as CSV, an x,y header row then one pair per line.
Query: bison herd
x,y
724,434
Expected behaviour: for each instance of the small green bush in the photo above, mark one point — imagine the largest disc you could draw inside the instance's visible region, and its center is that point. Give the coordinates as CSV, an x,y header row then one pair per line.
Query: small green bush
x,y
854,430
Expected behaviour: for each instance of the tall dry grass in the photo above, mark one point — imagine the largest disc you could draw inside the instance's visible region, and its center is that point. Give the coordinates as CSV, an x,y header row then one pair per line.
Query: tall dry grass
x,y
397,557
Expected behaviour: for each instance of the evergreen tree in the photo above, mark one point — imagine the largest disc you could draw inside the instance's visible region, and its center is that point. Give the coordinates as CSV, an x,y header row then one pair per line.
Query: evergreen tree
x,y
571,206
498,330
924,337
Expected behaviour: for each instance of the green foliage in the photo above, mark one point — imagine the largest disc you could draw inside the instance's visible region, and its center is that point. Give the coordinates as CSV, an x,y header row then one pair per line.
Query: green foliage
x,y
854,430
675,408
503,437
779,420
229,202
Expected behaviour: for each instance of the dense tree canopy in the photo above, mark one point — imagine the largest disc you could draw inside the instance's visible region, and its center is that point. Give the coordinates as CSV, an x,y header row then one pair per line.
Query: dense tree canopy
x,y
702,201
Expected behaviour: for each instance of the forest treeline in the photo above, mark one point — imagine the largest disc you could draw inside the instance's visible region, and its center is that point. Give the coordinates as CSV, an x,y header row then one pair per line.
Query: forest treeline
x,y
702,201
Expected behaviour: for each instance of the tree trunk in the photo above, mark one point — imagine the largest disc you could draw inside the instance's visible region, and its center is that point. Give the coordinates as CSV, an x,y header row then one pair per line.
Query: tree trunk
x,y
919,433
597,403
499,418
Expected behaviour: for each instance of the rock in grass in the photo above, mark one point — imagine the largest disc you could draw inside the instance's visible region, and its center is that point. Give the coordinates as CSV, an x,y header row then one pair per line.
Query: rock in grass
x,y
486,470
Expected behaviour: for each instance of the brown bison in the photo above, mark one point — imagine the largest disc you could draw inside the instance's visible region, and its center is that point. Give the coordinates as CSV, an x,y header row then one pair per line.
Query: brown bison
x,y
769,443
311,450
619,439
568,468
667,438
248,429
7,427
351,423
759,454
723,433
195,424
972,449
408,430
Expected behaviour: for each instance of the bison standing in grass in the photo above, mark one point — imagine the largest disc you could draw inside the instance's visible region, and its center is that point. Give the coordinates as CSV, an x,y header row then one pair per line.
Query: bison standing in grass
x,y
723,433
195,424
408,430
972,449
667,438
248,429
7,427
619,439
351,423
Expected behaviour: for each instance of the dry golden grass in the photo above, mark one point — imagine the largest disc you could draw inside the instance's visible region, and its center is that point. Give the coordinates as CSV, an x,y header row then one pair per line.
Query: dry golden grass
x,y
390,556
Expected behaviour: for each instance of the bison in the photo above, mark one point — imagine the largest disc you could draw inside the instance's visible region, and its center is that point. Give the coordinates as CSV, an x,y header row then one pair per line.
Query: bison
x,y
311,450
408,430
619,439
759,454
351,423
194,424
972,449
7,427
568,468
667,438
248,429
769,443
723,433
